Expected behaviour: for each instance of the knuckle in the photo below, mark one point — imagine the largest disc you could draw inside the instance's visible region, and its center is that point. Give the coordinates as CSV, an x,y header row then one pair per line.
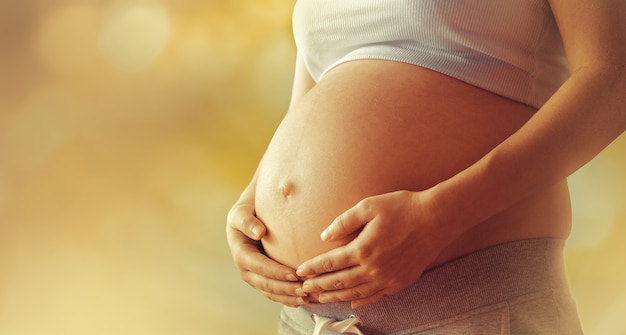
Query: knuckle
x,y
241,261
338,284
375,272
271,272
328,266
356,294
365,252
265,285
230,217
367,205
233,214
340,223
296,290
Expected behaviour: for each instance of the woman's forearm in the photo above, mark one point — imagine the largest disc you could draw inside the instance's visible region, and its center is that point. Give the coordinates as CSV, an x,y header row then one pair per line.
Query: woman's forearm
x,y
580,120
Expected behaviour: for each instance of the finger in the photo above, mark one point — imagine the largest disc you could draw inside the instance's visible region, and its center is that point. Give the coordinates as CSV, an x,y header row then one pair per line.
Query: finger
x,y
335,281
289,301
242,218
348,222
254,261
360,292
333,260
247,256
273,286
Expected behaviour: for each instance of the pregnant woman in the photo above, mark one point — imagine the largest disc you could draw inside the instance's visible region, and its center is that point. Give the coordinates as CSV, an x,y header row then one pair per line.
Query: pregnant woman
x,y
417,183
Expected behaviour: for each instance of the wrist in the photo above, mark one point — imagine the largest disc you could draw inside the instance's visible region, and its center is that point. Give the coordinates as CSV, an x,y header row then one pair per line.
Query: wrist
x,y
441,212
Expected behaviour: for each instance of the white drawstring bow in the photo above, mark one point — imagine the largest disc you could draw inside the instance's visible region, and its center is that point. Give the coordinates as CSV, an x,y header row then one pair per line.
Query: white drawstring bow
x,y
347,326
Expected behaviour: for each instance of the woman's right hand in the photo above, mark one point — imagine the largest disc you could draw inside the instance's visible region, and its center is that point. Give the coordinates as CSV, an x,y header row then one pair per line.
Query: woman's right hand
x,y
277,282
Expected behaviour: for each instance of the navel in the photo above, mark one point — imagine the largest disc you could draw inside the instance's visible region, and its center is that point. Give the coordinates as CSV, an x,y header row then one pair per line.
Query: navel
x,y
286,189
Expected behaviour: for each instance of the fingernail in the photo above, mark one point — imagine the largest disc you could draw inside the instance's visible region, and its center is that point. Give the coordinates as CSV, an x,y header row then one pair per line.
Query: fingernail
x,y
301,301
292,277
306,287
325,236
300,271
300,292
256,231
323,298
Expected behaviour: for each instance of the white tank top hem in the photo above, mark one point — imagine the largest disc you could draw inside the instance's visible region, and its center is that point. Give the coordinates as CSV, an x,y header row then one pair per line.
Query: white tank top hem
x,y
509,47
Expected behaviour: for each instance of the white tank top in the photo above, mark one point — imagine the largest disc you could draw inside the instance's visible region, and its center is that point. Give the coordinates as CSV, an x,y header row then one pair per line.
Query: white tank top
x,y
509,47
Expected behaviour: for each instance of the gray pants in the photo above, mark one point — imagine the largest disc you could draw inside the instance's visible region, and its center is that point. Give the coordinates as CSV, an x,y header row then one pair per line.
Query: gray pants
x,y
513,288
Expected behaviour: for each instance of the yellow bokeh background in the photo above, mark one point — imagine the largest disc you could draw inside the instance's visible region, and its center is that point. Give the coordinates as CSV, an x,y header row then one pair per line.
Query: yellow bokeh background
x,y
127,130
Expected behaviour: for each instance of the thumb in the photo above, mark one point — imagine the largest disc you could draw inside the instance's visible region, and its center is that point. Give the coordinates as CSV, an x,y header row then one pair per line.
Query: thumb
x,y
242,218
345,224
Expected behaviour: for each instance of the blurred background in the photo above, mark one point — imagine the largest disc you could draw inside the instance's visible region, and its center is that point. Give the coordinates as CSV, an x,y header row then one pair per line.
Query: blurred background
x,y
127,130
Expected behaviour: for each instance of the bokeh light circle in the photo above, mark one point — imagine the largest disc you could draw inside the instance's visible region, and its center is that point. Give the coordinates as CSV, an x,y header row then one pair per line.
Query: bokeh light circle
x,y
134,35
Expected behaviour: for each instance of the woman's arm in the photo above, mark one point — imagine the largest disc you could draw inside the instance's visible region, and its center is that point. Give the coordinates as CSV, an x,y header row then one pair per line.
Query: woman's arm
x,y
404,231
584,116
244,232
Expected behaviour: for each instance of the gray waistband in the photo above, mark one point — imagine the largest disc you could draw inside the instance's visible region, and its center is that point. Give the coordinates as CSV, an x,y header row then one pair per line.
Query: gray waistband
x,y
483,278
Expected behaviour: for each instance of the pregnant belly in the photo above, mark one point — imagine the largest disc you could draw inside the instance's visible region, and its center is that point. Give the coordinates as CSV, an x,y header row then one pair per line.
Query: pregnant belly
x,y
367,128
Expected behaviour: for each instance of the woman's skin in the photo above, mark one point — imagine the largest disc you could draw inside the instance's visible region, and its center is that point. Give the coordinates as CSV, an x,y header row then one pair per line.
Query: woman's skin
x,y
341,144
505,180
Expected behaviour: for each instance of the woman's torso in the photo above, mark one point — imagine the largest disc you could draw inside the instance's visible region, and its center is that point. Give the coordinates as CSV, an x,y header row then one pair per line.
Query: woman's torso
x,y
373,126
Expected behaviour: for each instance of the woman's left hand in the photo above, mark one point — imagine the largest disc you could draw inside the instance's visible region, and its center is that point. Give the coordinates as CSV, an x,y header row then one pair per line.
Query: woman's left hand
x,y
399,239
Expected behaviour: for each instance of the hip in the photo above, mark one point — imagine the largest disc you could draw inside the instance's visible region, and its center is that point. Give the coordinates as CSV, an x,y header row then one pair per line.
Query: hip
x,y
517,287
